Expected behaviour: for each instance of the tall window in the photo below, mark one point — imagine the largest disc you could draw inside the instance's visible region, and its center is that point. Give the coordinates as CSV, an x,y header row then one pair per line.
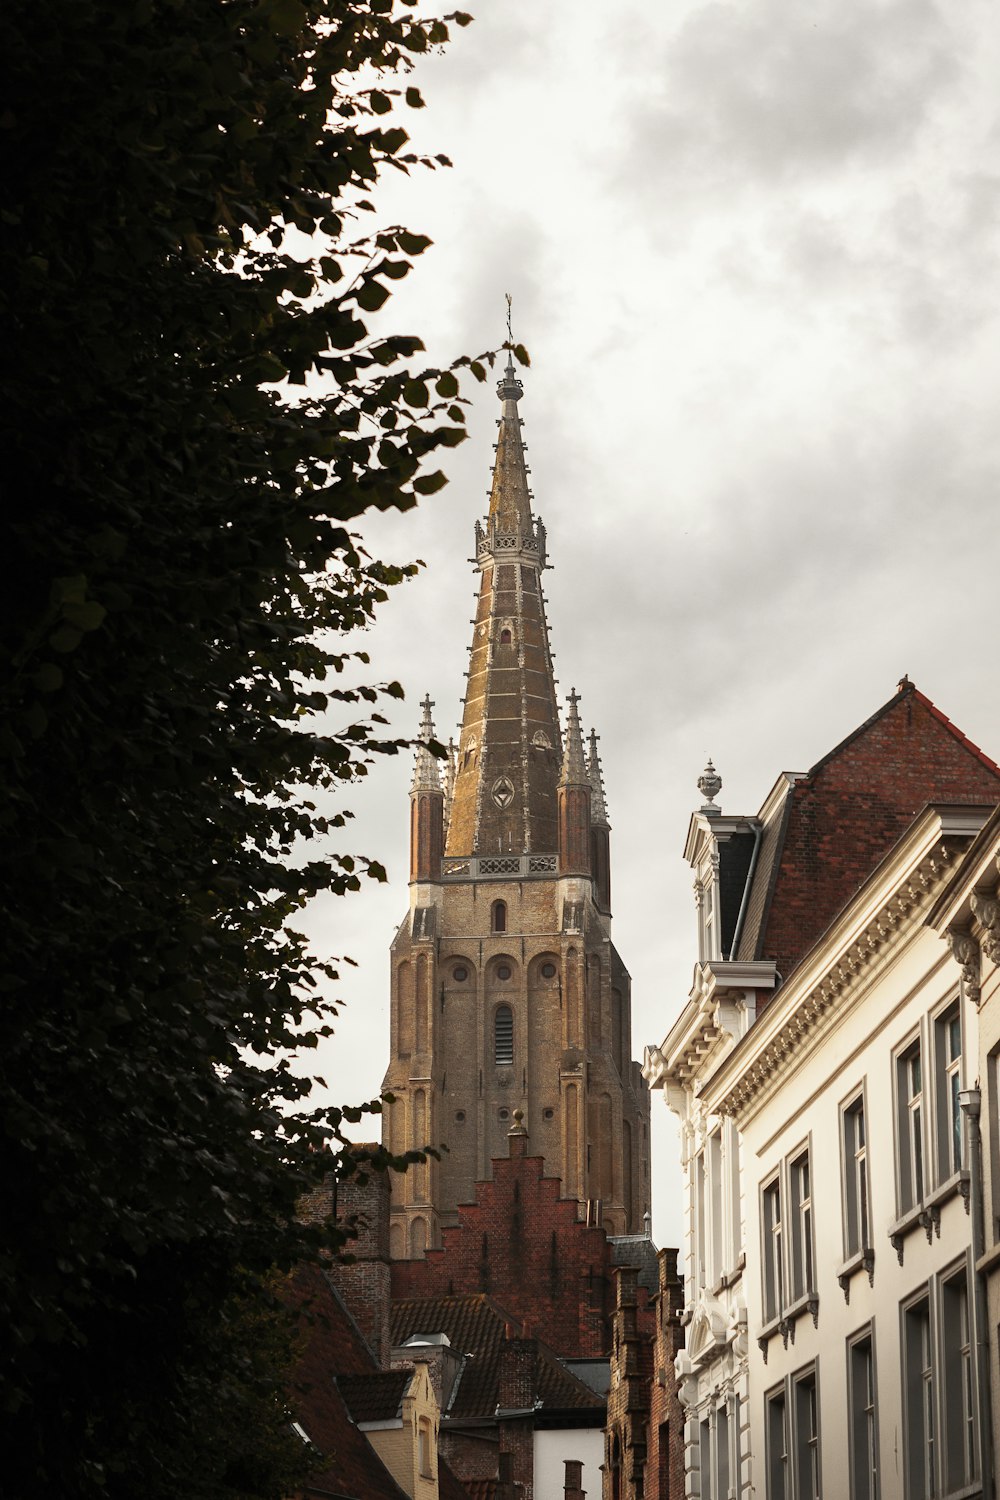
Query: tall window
x,y
960,1412
776,1438
700,1219
499,922
715,1196
714,1455
948,1059
503,1036
862,1416
774,1290
910,1108
802,1241
918,1398
806,1437
854,1146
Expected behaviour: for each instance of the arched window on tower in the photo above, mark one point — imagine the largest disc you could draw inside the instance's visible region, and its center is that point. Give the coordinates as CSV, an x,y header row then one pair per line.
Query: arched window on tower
x,y
503,1036
505,638
499,921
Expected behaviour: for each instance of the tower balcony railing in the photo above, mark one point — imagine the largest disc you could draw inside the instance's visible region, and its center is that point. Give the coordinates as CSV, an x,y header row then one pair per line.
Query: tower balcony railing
x,y
490,542
500,867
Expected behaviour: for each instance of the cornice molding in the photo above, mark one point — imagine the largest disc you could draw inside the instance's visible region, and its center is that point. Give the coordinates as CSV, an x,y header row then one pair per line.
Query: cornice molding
x,y
803,1011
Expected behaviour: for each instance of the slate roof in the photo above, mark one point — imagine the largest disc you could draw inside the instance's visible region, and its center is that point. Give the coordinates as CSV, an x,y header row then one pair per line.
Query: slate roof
x,y
837,822
377,1397
637,1250
477,1328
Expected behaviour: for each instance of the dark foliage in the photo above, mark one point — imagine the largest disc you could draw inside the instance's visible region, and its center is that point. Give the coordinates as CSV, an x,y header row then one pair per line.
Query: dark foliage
x,y
177,580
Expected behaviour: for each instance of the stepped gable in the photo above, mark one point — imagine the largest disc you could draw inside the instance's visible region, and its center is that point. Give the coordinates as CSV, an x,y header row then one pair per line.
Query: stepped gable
x,y
478,1327
842,818
332,1344
522,1243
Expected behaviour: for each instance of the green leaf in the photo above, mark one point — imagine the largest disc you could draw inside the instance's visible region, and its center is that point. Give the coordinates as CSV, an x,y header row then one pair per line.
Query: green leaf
x,y
429,484
48,678
371,296
65,639
446,385
379,102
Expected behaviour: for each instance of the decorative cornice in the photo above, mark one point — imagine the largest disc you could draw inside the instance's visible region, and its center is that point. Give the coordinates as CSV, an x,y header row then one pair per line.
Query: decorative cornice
x,y
808,1012
965,952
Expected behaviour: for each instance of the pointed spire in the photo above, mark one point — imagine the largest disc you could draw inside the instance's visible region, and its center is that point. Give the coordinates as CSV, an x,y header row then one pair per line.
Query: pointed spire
x,y
426,775
574,767
598,804
510,502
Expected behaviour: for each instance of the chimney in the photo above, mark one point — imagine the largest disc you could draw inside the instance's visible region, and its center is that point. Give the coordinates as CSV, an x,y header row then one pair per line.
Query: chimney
x,y
574,1479
518,1359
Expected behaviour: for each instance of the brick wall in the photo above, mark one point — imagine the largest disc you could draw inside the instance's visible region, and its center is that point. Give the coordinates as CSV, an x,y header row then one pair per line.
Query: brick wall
x,y
851,809
523,1244
644,1447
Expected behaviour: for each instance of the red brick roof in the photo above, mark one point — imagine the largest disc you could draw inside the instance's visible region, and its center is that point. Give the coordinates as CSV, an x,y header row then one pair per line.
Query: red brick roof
x,y
331,1345
843,817
477,1328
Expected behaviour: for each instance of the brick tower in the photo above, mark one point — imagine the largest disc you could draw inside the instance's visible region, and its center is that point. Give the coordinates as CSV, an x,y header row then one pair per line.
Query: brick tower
x,y
507,992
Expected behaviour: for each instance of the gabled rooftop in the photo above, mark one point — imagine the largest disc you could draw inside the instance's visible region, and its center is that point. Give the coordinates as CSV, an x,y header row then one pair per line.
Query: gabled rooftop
x,y
833,825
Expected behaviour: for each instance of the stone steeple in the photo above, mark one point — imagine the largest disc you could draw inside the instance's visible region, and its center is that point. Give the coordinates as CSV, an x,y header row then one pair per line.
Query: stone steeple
x,y
509,999
504,798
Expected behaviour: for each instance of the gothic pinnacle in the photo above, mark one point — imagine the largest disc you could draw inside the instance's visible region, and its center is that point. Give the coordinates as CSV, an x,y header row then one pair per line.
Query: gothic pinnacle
x,y
426,775
574,767
598,805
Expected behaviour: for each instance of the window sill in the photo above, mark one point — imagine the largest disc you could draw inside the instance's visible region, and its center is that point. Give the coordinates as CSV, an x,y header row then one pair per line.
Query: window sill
x,y
861,1260
958,1182
922,1216
785,1325
927,1215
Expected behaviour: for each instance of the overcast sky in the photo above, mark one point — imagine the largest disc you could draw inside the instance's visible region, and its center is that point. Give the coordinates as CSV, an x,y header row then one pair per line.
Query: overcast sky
x,y
754,251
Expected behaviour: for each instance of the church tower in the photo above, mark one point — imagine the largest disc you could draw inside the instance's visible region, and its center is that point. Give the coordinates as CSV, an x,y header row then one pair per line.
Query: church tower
x,y
507,992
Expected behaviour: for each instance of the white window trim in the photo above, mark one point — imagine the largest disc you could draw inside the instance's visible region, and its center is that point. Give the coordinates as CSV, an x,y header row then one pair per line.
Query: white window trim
x,y
943,1381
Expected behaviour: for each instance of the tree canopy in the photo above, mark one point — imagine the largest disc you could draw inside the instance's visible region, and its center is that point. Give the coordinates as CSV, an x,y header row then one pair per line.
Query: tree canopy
x,y
179,578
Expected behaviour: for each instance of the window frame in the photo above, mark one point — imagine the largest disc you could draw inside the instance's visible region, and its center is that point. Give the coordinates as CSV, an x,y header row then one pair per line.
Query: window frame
x,y
949,1078
802,1242
855,1177
506,1061
772,1229
868,1414
949,1387
911,1138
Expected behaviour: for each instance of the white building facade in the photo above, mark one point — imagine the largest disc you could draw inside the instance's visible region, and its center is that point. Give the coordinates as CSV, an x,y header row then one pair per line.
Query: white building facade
x,y
836,1074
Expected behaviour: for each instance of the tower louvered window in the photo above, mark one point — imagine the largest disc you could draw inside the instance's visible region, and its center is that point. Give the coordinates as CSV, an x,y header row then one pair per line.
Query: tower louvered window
x,y
503,1036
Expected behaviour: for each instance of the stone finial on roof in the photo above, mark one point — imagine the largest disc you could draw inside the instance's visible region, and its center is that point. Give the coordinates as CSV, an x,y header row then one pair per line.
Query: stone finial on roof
x,y
598,803
426,775
574,766
710,785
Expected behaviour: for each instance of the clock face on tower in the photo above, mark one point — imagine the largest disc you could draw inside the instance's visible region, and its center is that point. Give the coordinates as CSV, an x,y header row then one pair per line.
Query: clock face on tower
x,y
503,792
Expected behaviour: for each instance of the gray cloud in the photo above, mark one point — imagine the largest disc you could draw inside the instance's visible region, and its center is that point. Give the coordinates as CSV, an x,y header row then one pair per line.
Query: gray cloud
x,y
776,90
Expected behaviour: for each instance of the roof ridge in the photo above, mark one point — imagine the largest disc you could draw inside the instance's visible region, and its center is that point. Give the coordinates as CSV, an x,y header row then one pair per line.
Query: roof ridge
x,y
953,728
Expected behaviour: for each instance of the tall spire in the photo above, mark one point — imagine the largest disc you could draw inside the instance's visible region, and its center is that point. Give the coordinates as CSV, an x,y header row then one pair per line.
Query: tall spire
x,y
598,804
509,752
574,766
426,775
